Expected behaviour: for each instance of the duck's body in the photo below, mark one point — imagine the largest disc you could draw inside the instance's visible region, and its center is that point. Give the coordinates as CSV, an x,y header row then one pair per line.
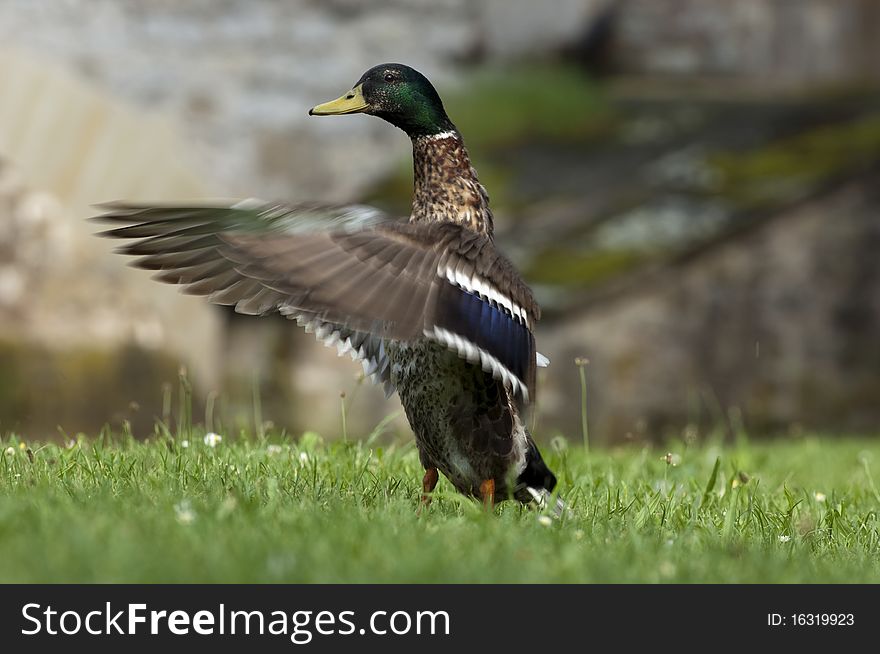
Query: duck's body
x,y
466,422
429,306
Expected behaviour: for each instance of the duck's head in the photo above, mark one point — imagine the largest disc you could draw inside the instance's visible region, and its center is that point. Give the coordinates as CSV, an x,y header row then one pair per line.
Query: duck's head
x,y
396,93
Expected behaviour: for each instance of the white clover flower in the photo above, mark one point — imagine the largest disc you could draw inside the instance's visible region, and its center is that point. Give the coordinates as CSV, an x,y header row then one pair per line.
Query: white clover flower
x,y
545,520
819,497
273,449
303,457
784,539
184,444
212,439
10,451
184,513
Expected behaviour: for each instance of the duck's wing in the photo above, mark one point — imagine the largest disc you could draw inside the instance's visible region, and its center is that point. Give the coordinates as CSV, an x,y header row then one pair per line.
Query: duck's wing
x,y
346,269
181,244
363,346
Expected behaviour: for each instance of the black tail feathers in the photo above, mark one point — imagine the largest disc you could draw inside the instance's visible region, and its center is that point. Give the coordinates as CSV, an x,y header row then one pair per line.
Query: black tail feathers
x,y
535,484
536,474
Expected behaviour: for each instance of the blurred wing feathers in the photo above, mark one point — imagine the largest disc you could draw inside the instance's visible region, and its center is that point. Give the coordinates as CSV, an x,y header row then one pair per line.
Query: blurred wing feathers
x,y
347,273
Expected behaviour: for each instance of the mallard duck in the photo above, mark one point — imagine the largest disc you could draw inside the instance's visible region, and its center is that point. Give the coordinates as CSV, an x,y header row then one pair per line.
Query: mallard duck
x,y
430,306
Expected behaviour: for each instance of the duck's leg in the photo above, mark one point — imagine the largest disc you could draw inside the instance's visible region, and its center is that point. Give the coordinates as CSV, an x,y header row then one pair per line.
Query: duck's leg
x,y
429,482
487,493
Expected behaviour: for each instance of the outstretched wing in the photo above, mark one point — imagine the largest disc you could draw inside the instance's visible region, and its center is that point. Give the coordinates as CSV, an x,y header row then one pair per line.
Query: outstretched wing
x,y
347,269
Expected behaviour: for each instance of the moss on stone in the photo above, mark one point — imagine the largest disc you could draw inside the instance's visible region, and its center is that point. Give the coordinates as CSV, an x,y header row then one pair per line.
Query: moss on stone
x,y
569,267
784,168
498,108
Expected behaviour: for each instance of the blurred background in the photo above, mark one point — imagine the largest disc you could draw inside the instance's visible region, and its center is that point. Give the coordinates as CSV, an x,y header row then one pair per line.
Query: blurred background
x,y
692,187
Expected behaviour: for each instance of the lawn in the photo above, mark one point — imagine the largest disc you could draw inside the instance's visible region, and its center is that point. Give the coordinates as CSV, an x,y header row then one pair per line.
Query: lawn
x,y
276,509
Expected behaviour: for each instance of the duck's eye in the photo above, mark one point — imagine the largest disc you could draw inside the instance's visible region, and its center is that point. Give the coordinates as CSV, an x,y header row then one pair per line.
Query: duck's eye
x,y
389,77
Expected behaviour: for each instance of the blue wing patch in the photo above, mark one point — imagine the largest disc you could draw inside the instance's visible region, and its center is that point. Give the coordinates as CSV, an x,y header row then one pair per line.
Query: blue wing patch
x,y
490,328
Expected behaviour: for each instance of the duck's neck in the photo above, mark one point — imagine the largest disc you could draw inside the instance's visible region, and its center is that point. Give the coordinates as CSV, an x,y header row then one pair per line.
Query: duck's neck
x,y
446,187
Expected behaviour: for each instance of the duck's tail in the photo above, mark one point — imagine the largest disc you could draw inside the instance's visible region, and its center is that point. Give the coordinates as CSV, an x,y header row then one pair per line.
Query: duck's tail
x,y
536,482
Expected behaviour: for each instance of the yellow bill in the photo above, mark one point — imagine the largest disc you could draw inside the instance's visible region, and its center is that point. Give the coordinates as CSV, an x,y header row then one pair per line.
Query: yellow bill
x,y
351,103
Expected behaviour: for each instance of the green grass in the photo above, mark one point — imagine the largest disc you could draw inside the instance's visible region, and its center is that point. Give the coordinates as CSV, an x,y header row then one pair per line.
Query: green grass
x,y
272,510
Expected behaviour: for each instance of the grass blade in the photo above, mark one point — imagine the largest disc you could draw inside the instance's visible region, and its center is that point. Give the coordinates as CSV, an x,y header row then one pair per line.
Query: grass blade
x,y
710,485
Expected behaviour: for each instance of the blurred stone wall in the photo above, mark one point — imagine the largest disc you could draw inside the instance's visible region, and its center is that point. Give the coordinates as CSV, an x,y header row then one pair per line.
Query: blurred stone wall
x,y
773,329
102,100
237,78
82,343
771,41
161,100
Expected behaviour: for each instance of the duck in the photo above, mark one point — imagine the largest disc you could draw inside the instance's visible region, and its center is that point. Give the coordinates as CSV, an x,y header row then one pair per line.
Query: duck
x,y
429,305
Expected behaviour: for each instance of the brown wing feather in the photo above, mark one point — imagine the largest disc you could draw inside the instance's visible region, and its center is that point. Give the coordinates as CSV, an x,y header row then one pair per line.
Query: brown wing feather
x,y
396,280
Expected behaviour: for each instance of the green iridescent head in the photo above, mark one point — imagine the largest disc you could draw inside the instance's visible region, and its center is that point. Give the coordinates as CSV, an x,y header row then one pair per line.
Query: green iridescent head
x,y
396,93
